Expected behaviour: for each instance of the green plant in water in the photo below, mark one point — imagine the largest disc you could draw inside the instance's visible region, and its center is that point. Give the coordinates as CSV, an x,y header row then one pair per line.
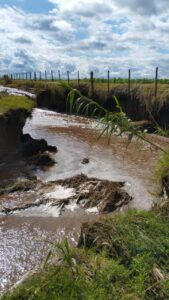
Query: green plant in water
x,y
115,122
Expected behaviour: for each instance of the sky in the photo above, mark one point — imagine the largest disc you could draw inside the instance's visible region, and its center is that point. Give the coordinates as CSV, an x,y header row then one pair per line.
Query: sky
x,y
84,36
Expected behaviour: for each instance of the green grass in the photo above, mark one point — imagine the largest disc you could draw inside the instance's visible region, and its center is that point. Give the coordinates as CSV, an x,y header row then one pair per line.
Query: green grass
x,y
162,167
8,103
161,177
127,258
30,84
144,88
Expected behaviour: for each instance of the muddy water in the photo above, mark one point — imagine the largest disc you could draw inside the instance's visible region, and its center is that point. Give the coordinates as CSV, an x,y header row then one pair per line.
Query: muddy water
x,y
13,91
24,239
76,139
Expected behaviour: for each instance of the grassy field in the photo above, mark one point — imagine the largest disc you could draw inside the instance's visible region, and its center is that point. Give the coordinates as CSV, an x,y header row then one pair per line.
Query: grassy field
x,y
8,103
124,257
144,89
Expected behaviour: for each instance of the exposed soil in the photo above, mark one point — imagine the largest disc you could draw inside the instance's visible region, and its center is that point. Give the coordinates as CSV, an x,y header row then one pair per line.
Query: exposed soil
x,y
137,104
11,126
36,151
95,234
31,147
104,194
88,193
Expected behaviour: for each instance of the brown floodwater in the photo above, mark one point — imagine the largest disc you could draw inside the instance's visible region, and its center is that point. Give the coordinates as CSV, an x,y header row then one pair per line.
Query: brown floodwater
x,y
25,239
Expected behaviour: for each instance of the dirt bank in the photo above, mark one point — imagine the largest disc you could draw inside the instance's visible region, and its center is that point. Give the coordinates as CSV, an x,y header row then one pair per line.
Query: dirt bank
x,y
138,104
16,145
11,126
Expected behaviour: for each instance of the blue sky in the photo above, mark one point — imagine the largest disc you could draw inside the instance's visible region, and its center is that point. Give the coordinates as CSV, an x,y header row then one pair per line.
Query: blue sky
x,y
34,6
85,35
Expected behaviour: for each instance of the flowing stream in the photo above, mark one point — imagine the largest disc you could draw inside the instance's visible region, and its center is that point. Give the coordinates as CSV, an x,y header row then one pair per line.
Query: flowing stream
x,y
13,91
24,239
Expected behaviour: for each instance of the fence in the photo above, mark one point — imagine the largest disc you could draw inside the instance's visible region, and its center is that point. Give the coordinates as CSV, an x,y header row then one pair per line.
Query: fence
x,y
50,77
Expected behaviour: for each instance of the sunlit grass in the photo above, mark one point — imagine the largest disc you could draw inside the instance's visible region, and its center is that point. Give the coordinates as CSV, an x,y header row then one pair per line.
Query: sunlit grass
x,y
8,103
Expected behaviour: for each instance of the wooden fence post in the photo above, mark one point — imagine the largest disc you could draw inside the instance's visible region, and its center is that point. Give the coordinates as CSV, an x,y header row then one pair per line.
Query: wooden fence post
x,y
129,81
52,75
92,83
78,78
30,75
45,75
59,75
35,76
108,81
156,82
68,78
40,75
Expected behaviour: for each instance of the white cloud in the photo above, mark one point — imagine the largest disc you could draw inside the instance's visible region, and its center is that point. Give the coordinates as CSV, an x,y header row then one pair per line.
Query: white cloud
x,y
86,35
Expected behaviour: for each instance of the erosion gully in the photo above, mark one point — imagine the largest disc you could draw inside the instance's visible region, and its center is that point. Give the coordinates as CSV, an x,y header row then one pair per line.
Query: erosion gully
x,y
26,236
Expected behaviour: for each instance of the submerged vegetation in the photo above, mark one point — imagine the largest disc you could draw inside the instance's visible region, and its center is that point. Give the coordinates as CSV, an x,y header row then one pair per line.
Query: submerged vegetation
x,y
18,185
124,257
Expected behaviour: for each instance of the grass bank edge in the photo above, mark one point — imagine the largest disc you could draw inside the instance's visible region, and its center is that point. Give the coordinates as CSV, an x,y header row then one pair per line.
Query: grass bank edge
x,y
13,103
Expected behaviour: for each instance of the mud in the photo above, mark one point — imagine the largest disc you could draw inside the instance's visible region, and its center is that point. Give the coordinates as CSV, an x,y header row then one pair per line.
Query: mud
x,y
11,126
85,193
31,147
36,152
94,234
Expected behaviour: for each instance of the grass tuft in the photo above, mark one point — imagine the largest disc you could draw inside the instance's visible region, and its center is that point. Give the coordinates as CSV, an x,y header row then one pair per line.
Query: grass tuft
x,y
8,103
